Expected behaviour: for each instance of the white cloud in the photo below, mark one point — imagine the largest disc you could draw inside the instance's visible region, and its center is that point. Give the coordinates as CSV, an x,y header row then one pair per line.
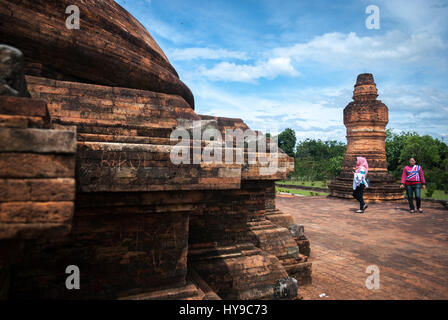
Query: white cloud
x,y
335,50
318,112
341,50
417,48
270,69
205,53
300,111
418,16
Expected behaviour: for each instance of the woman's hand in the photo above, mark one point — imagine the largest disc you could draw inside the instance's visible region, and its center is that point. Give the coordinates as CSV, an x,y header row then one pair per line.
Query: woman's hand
x,y
424,186
402,186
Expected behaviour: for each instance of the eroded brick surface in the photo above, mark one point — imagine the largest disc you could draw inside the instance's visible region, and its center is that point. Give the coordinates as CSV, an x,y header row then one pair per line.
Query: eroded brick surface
x,y
143,227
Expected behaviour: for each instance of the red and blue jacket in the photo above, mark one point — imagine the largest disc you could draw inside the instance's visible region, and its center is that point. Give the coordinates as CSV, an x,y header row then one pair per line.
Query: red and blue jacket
x,y
412,175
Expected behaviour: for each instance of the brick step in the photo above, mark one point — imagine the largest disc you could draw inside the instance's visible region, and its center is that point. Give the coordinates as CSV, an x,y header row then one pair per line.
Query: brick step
x,y
83,123
288,261
279,218
272,211
203,287
260,225
300,271
197,249
189,291
268,230
241,273
244,277
120,130
162,140
200,255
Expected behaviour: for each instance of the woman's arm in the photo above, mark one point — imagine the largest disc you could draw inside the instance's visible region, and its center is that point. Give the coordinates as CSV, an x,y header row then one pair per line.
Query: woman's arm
x,y
422,176
366,184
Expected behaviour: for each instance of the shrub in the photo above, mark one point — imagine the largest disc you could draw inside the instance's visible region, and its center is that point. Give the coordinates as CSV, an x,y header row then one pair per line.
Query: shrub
x,y
430,188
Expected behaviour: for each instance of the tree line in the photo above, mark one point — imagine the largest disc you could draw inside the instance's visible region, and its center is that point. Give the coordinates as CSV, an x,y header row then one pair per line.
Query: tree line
x,y
322,160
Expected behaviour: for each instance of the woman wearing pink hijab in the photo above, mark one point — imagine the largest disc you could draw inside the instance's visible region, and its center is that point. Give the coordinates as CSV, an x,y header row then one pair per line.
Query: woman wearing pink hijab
x,y
360,182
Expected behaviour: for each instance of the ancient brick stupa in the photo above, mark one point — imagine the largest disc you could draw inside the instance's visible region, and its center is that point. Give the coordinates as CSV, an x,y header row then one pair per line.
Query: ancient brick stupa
x,y
86,177
365,119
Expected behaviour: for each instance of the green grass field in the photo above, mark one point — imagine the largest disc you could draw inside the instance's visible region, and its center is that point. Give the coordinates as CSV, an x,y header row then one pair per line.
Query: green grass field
x,y
301,192
438,194
317,184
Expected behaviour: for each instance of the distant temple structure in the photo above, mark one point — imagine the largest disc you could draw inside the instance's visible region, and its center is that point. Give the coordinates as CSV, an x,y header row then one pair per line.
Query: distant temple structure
x,y
87,182
365,119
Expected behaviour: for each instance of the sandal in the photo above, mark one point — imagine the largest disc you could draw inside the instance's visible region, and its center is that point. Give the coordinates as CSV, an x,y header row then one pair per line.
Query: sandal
x,y
359,211
412,211
420,210
365,207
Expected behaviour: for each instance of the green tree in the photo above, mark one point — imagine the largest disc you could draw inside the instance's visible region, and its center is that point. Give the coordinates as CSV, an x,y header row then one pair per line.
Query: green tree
x,y
394,145
287,141
430,153
430,190
319,150
424,149
334,166
319,160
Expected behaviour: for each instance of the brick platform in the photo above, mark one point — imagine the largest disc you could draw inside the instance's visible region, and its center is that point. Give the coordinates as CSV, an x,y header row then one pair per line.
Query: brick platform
x,y
411,251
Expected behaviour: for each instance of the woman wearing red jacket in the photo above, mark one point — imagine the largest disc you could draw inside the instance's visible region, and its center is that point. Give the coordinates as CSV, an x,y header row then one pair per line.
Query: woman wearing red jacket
x,y
413,179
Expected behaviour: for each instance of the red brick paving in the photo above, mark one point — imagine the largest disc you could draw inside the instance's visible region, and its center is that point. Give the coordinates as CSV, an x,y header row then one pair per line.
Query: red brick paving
x,y
411,251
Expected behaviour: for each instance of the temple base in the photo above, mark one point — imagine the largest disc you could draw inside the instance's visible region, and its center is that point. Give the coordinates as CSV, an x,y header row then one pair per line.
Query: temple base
x,y
382,187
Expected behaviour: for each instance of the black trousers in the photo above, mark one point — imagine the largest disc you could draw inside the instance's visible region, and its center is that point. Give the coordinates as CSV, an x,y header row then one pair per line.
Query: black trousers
x,y
358,194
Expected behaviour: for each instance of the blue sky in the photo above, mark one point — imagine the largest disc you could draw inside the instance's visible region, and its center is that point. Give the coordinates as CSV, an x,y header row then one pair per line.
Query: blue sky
x,y
294,63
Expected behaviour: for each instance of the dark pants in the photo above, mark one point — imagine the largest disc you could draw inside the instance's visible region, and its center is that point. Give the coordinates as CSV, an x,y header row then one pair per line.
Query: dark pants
x,y
358,193
410,190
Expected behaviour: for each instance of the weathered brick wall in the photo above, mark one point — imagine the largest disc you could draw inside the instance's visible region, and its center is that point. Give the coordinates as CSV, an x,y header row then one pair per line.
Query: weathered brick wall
x,y
131,243
118,254
37,169
140,222
138,215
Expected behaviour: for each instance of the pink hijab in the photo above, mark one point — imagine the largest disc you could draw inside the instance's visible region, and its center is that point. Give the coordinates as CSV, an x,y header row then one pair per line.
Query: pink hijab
x,y
361,162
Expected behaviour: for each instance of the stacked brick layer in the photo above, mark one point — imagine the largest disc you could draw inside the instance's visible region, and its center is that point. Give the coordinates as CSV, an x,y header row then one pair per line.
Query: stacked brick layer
x,y
143,227
140,220
37,183
108,36
37,169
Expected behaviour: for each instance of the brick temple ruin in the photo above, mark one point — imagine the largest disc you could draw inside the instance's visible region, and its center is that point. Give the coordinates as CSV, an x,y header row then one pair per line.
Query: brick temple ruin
x,y
86,177
365,119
